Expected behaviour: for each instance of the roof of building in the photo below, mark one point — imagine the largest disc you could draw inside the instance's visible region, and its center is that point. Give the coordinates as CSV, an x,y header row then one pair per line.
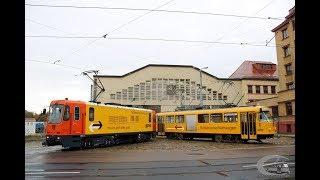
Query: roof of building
x,y
247,70
170,65
286,21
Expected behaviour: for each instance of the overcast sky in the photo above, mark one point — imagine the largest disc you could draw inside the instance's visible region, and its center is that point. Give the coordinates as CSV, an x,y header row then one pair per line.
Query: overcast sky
x,y
45,82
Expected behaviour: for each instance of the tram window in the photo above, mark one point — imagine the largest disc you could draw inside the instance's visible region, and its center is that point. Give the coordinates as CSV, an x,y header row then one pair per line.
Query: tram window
x,y
230,117
170,119
149,117
76,113
217,117
180,119
203,118
243,117
160,119
66,113
265,116
91,114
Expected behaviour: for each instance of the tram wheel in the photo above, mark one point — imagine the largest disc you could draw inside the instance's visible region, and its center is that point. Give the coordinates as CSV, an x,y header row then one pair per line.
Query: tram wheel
x,y
218,138
245,141
180,136
237,139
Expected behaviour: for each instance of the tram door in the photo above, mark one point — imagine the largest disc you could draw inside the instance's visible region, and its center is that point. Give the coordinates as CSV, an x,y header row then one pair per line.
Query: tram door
x,y
160,124
248,125
191,122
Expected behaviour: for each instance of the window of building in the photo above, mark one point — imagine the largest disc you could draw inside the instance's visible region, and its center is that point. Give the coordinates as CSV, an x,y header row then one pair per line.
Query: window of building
x,y
203,118
182,89
288,69
148,90
230,117
187,89
180,119
289,108
170,119
265,89
124,94
220,96
159,91
225,97
258,89
209,94
217,117
171,89
136,92
193,90
293,24
118,95
266,66
204,94
91,114
112,96
154,91
130,92
142,91
249,89
290,85
273,89
198,94
214,95
285,33
76,113
164,91
275,112
286,51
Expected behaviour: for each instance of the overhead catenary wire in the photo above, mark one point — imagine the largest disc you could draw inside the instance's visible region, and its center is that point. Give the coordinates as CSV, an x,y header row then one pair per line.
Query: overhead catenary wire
x,y
239,25
47,26
157,10
53,63
119,27
157,39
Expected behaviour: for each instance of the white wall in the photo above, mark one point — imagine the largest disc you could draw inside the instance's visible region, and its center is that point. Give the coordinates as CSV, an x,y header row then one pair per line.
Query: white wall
x,y
29,128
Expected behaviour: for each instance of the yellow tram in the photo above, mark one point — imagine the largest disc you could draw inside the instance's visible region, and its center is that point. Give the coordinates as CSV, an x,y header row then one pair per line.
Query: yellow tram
x,y
228,124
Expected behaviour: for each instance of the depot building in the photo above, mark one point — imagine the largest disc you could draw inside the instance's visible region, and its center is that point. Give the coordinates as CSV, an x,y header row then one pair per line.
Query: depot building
x,y
163,87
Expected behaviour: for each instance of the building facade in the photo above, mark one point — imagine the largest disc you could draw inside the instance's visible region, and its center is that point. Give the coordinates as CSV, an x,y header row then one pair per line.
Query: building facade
x,y
168,87
285,40
260,79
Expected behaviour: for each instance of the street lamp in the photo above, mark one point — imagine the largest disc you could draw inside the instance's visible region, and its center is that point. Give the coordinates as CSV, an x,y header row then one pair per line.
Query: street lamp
x,y
201,98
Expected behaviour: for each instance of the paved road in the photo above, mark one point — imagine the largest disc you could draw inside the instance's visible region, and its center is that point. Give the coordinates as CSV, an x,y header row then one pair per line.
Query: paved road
x,y
237,163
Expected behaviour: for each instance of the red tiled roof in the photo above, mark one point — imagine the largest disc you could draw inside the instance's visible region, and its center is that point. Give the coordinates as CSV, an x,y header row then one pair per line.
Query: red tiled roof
x,y
249,70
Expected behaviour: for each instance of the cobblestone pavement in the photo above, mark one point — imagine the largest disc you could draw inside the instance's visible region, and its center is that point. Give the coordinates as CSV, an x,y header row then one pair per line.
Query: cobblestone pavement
x,y
165,145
